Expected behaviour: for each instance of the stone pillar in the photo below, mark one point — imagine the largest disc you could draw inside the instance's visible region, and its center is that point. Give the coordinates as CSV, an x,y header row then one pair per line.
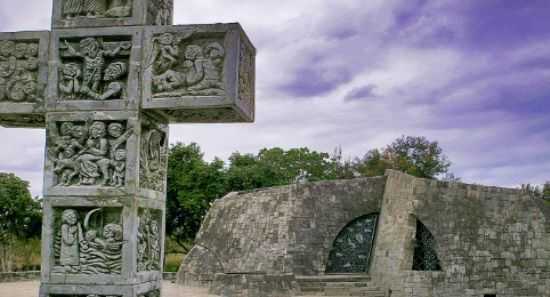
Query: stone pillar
x,y
104,211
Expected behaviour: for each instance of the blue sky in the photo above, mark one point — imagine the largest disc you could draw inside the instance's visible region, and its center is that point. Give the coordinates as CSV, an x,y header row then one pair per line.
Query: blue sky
x,y
473,75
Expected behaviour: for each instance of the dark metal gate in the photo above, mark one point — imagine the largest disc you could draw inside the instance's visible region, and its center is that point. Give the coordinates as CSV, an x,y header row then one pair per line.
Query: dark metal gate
x,y
352,248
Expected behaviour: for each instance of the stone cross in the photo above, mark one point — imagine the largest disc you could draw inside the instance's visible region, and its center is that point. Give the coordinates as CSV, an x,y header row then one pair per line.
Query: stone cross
x,y
105,83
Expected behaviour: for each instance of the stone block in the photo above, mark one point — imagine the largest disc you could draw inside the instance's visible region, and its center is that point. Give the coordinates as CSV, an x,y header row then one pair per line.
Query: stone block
x,y
23,78
92,154
94,69
102,13
199,73
101,242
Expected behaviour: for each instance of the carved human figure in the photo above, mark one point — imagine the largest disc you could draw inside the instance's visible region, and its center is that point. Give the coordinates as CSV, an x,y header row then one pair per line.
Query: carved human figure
x,y
164,13
71,232
66,148
69,87
72,8
94,61
7,65
115,87
212,65
94,158
119,166
94,8
165,52
154,241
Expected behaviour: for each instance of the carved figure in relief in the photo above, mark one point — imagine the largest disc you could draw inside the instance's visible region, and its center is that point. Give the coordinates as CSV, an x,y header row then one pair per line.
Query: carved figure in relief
x,y
88,154
148,249
153,157
164,13
200,72
115,87
119,8
70,85
93,54
72,8
246,74
93,161
71,232
94,8
119,165
66,148
18,71
99,251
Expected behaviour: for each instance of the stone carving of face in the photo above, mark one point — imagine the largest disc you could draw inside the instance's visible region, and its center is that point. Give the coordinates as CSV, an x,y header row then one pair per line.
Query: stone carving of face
x,y
120,155
32,50
97,130
115,130
89,47
78,132
71,70
91,235
70,217
17,92
20,50
114,71
112,232
30,88
7,48
66,129
154,227
192,52
166,39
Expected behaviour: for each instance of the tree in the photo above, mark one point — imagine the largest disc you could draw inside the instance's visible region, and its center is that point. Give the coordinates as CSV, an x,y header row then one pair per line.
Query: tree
x,y
417,156
374,163
20,216
275,167
193,184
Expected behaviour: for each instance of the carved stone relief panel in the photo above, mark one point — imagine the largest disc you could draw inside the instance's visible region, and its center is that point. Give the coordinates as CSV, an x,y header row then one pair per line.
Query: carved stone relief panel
x,y
247,70
159,12
154,293
91,153
94,68
96,8
196,69
187,64
88,241
19,71
149,240
153,155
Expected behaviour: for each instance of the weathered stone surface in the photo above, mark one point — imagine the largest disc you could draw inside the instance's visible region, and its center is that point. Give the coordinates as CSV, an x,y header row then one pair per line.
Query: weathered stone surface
x,y
279,230
488,240
102,13
199,73
95,69
23,78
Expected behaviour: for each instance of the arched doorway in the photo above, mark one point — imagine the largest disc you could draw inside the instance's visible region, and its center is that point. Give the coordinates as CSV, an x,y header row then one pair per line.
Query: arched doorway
x,y
352,248
425,256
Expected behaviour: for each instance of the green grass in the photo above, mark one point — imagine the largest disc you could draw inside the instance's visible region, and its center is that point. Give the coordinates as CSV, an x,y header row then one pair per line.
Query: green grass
x,y
172,262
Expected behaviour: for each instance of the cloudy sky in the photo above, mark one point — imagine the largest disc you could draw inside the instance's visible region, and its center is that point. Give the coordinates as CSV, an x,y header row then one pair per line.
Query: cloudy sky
x,y
473,75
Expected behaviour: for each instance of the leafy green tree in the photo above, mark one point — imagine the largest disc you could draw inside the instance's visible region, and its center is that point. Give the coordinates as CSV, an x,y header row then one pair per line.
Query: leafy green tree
x,y
374,163
193,184
20,216
417,156
275,166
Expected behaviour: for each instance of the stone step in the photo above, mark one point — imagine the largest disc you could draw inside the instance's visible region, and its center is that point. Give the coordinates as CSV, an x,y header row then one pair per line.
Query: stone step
x,y
338,285
334,278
